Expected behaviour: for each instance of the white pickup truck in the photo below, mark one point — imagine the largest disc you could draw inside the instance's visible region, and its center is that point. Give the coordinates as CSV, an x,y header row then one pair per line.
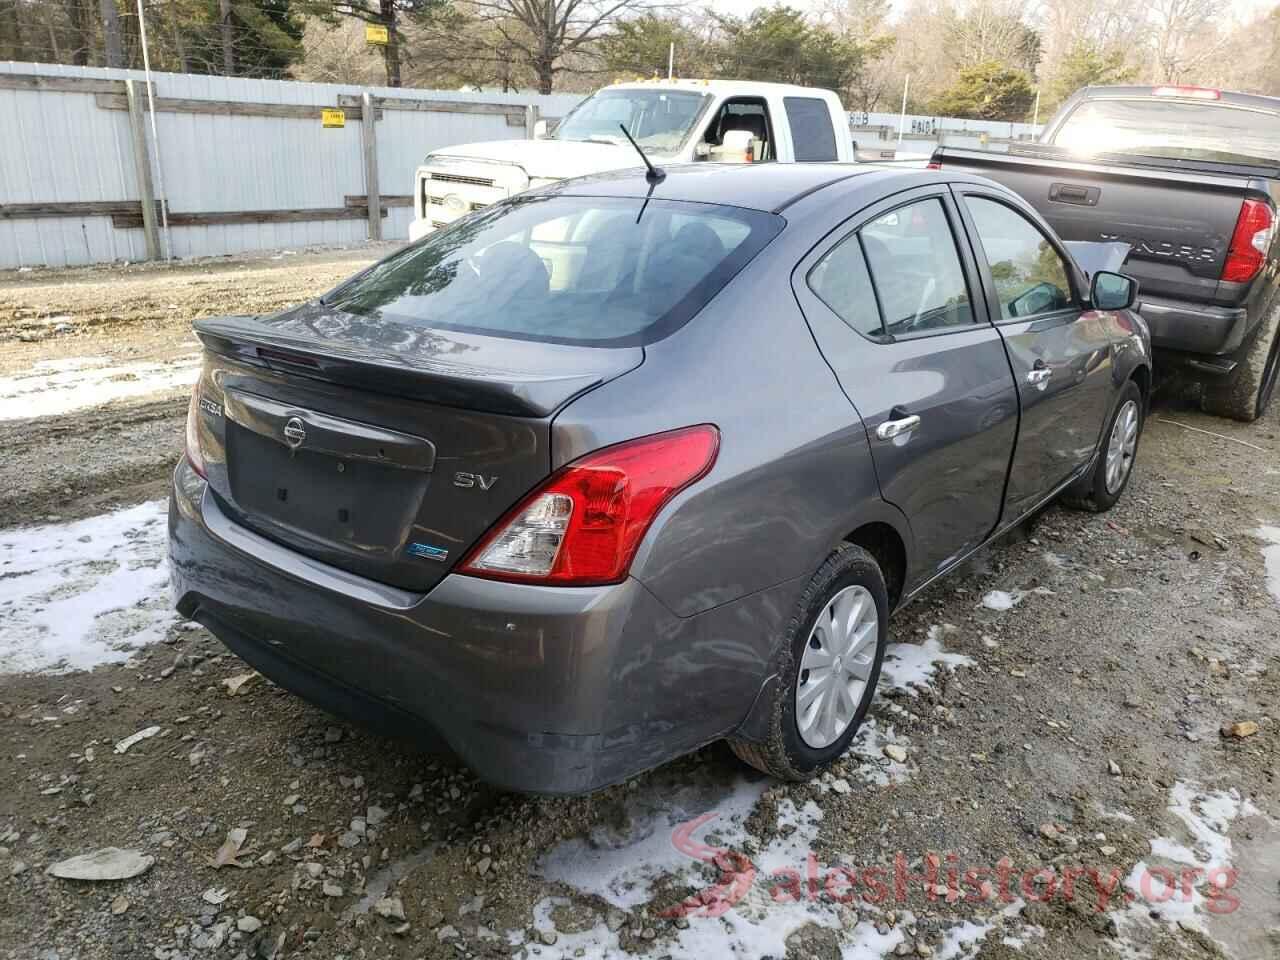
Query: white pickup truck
x,y
674,121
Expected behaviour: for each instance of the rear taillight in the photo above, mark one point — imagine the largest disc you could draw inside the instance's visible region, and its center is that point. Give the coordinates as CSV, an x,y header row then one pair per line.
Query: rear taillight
x,y
582,527
1250,242
194,455
933,165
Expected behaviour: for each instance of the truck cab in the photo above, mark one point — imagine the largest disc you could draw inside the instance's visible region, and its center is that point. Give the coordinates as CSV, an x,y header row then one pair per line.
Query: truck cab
x,y
673,121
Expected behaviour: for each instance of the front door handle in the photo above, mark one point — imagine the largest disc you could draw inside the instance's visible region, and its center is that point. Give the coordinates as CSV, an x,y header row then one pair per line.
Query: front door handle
x,y
896,428
1039,375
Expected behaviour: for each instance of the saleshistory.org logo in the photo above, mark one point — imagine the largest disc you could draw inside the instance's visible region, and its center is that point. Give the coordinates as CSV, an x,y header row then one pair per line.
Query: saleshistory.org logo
x,y
942,877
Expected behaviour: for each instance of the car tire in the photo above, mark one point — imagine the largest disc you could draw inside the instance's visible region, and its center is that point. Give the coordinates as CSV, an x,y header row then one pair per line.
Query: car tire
x,y
849,576
1247,395
1100,490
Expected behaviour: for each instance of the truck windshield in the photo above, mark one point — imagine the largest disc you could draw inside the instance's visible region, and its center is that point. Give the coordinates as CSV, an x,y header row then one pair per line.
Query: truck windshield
x,y
595,271
658,119
1173,129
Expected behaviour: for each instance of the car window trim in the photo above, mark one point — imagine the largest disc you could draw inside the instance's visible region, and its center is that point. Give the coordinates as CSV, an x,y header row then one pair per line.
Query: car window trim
x,y
887,204
962,191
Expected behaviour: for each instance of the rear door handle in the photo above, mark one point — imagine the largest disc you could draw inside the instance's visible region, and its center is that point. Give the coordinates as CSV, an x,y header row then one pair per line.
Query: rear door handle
x,y
896,428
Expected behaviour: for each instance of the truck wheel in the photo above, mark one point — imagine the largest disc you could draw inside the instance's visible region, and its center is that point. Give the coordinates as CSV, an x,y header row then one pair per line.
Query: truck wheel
x,y
1246,396
1100,489
828,665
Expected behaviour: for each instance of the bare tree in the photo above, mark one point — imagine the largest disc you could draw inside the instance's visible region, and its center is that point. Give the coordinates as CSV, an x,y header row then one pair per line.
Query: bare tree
x,y
545,32
338,53
1184,36
993,30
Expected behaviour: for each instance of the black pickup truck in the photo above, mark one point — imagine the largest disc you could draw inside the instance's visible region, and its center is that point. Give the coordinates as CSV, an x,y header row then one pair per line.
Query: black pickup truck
x,y
1190,179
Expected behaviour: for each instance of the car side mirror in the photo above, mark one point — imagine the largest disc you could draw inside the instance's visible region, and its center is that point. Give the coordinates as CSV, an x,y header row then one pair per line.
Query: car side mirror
x,y
540,130
1113,291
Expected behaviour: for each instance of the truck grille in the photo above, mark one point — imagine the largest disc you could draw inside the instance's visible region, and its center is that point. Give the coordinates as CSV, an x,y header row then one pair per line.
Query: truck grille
x,y
462,178
439,202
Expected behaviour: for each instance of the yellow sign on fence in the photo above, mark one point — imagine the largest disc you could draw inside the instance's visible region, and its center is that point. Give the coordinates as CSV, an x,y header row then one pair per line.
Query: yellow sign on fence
x,y
375,35
333,118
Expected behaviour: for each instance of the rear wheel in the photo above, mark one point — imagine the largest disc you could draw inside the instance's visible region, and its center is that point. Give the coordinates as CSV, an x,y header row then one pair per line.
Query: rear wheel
x,y
1246,396
1102,488
828,664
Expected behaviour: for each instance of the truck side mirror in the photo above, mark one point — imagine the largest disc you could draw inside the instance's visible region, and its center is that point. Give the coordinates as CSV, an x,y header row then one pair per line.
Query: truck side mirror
x,y
1113,291
540,130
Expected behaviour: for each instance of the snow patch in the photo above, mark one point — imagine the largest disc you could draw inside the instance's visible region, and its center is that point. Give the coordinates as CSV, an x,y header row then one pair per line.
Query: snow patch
x,y
1164,893
1113,814
624,871
1271,557
1002,600
620,866
76,595
911,665
53,387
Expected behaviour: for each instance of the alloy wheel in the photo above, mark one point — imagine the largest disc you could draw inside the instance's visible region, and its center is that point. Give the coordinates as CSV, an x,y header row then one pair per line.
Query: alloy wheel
x,y
1122,446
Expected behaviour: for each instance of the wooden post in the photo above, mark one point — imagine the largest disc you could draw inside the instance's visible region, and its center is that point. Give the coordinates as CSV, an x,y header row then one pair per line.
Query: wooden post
x,y
369,126
142,165
530,120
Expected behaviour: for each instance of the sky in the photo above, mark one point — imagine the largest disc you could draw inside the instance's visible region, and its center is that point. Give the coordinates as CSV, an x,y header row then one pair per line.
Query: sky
x,y
1242,9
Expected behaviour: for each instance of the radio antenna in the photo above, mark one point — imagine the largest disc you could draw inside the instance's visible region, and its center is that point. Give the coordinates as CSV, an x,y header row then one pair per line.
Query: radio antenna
x,y
654,174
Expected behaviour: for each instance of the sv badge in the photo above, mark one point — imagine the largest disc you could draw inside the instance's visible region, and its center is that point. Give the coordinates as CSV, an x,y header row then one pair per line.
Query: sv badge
x,y
468,480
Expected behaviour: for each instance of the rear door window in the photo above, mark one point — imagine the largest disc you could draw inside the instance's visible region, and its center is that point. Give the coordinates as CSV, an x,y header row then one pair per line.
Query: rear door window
x,y
812,135
564,269
1030,277
841,281
916,269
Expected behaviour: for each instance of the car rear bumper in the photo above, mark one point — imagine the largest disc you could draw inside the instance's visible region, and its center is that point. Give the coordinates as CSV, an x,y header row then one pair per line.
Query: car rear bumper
x,y
1195,329
538,689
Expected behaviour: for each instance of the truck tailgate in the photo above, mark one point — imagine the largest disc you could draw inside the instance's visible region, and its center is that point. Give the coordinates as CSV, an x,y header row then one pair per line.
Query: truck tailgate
x,y
1178,222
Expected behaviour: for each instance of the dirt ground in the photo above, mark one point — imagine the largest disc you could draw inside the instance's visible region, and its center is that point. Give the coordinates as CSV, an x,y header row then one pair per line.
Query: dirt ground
x,y
1056,706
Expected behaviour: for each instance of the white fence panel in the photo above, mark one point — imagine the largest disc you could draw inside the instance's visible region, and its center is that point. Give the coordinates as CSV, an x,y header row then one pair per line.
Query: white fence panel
x,y
67,147
59,147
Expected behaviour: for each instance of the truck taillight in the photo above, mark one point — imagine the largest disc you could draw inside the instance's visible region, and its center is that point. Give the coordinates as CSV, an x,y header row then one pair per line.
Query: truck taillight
x,y
194,455
1250,242
582,527
1188,93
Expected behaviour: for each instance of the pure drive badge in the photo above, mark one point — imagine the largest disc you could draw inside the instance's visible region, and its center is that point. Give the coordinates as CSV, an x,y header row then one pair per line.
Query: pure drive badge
x,y
426,551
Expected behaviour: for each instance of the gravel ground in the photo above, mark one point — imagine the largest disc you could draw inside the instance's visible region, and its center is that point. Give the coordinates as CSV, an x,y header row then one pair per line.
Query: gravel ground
x,y
1056,706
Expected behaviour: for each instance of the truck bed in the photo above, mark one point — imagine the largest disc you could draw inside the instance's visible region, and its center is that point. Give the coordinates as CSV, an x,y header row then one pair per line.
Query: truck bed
x,y
1177,217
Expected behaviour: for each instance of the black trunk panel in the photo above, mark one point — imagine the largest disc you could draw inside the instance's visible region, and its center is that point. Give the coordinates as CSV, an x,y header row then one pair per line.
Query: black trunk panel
x,y
353,511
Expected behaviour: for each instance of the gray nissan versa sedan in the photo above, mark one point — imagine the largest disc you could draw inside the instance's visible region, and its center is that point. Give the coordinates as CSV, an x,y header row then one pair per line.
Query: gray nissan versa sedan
x,y
616,468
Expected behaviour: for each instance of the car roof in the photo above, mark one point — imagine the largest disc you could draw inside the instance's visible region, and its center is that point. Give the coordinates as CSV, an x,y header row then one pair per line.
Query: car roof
x,y
770,187
727,88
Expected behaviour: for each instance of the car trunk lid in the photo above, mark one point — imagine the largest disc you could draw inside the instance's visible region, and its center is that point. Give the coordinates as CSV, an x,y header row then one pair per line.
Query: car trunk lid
x,y
385,451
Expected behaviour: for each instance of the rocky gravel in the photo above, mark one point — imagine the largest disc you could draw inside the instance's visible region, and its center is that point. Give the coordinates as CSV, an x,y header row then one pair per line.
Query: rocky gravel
x,y
1091,705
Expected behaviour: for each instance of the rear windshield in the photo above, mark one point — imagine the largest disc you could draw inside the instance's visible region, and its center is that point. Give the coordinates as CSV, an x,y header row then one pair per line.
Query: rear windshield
x,y
587,270
1173,129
